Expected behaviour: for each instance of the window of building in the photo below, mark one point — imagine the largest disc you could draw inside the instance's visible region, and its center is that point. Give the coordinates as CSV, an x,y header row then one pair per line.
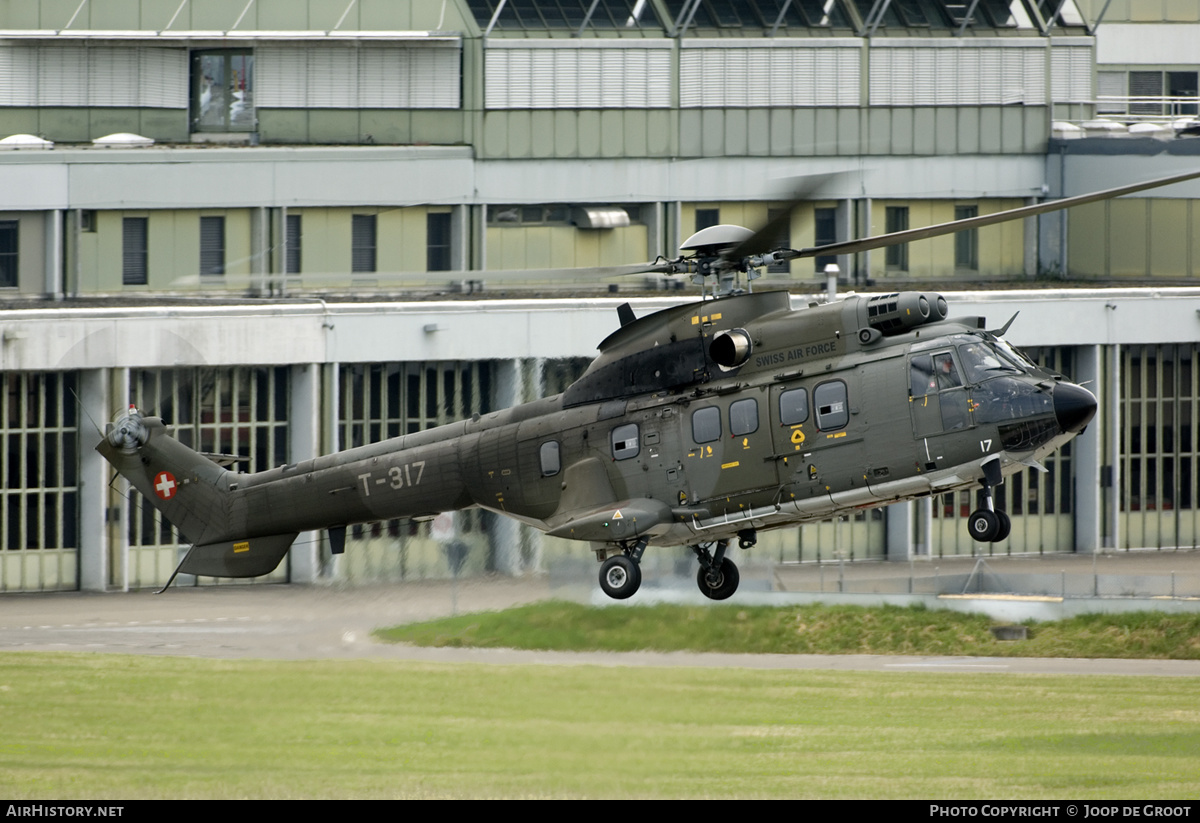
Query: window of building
x,y
550,459
896,219
134,256
793,407
437,241
565,14
212,245
1062,12
292,230
223,91
554,215
707,217
362,243
966,243
1157,93
825,224
39,507
832,410
8,253
757,14
706,425
1183,92
743,417
625,442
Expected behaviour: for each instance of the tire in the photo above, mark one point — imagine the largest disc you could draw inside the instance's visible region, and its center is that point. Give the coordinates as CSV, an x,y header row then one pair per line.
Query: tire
x,y
983,526
726,579
620,577
1004,529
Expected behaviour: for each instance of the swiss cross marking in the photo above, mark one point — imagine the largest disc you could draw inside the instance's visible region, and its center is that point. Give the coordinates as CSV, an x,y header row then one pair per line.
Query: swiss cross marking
x,y
164,485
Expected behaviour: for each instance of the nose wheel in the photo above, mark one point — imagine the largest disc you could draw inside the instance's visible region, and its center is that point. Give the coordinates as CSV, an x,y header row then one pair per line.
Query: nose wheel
x,y
717,577
986,524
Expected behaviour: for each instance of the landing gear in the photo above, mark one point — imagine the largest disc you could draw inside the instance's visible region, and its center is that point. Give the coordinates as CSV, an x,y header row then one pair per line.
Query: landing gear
x,y
986,524
621,574
620,577
717,576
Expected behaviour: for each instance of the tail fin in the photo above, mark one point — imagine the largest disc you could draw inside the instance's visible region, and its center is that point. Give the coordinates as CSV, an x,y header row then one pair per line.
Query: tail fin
x,y
194,494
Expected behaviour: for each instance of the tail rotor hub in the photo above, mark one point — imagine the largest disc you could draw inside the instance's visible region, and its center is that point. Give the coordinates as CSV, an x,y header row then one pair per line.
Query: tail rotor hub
x,y
129,433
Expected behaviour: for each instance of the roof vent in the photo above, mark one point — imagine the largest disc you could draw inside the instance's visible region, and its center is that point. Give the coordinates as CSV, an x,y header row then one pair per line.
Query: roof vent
x,y
599,217
25,141
122,140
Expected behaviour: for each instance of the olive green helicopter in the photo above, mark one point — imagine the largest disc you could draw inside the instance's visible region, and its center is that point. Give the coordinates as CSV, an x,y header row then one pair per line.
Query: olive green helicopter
x,y
695,426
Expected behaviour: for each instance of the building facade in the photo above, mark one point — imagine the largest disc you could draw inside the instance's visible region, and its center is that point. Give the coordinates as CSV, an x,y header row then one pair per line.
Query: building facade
x,y
280,157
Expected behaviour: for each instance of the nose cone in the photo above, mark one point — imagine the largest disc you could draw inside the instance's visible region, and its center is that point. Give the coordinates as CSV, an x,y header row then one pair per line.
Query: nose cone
x,y
1074,406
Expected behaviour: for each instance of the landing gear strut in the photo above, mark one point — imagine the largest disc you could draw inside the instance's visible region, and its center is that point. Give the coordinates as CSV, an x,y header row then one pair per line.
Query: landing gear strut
x,y
986,524
621,574
717,577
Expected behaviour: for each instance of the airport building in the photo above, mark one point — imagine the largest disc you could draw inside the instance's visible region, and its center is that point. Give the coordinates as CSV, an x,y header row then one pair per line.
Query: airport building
x,y
239,213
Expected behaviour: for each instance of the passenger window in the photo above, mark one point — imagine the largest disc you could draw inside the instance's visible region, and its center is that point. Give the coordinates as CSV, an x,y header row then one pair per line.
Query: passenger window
x,y
832,410
625,441
549,456
743,417
793,407
706,425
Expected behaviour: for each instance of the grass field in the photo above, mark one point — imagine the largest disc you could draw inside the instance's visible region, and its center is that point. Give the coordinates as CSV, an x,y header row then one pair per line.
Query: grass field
x,y
808,629
106,726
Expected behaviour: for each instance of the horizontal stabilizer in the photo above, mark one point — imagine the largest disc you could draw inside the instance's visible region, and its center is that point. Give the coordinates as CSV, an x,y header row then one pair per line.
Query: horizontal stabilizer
x,y
252,557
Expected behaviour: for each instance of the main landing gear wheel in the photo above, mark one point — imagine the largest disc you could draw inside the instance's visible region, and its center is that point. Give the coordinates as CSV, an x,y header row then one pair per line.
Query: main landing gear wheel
x,y
718,583
718,576
620,577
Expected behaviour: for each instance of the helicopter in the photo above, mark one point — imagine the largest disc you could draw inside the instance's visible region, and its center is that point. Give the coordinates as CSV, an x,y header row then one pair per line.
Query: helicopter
x,y
696,426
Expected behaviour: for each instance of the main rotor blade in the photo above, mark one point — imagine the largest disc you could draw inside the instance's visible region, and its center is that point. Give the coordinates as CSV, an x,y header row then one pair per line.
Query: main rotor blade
x,y
896,238
593,272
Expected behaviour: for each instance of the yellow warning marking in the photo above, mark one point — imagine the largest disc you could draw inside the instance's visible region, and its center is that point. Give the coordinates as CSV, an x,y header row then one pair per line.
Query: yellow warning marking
x,y
835,436
732,465
745,442
797,436
716,316
238,548
696,320
617,515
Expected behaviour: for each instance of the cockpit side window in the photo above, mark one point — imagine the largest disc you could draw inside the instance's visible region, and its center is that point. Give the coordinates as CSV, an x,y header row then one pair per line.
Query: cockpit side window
x,y
920,376
946,371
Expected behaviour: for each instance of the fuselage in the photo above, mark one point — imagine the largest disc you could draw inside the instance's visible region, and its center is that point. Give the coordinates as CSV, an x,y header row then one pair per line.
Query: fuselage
x,y
659,441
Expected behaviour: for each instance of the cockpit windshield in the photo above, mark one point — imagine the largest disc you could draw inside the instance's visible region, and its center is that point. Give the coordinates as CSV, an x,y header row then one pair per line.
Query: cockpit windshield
x,y
986,358
1012,355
